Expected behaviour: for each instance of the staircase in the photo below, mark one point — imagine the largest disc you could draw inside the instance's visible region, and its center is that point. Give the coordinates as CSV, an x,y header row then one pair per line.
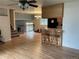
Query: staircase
x,y
14,33
1,42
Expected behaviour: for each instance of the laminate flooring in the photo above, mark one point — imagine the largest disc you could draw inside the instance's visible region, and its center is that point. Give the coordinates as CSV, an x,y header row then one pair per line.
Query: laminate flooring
x,y
29,46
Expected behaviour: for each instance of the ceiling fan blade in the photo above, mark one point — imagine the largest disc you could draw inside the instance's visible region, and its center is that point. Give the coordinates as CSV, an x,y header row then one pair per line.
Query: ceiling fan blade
x,y
32,1
33,5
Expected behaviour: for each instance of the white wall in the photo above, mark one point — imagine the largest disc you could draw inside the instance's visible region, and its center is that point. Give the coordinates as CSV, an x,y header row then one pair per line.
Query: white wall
x,y
71,25
5,25
21,16
5,28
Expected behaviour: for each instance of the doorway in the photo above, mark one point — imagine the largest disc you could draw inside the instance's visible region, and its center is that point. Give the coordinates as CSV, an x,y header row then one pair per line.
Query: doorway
x,y
29,27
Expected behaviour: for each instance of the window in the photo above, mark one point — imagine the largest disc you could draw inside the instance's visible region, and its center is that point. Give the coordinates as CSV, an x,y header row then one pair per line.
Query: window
x,y
3,12
44,21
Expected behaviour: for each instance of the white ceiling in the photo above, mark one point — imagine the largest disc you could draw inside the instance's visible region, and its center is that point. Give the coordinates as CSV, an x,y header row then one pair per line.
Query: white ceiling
x,y
14,4
52,2
39,2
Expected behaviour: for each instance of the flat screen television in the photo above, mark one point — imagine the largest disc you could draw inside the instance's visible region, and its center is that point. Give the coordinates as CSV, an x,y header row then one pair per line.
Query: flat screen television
x,y
52,23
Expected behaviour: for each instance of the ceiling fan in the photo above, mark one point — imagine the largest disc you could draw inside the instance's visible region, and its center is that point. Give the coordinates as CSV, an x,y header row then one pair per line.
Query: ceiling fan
x,y
26,3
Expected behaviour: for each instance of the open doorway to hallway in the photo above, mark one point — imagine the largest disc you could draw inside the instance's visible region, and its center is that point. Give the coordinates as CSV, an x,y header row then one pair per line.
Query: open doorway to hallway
x,y
29,27
24,22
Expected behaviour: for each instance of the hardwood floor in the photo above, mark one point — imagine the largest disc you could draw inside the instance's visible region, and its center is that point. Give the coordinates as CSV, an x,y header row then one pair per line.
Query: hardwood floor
x,y
29,46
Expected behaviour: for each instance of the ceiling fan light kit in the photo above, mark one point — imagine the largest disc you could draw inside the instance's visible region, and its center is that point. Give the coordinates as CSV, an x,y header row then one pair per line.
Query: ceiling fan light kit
x,y
25,4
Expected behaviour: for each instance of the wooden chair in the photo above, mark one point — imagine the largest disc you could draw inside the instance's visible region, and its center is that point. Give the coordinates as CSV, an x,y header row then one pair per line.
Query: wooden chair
x,y
57,36
44,35
52,33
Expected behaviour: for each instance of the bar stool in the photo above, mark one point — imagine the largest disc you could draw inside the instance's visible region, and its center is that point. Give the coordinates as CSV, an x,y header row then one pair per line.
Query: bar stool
x,y
52,35
57,36
44,36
